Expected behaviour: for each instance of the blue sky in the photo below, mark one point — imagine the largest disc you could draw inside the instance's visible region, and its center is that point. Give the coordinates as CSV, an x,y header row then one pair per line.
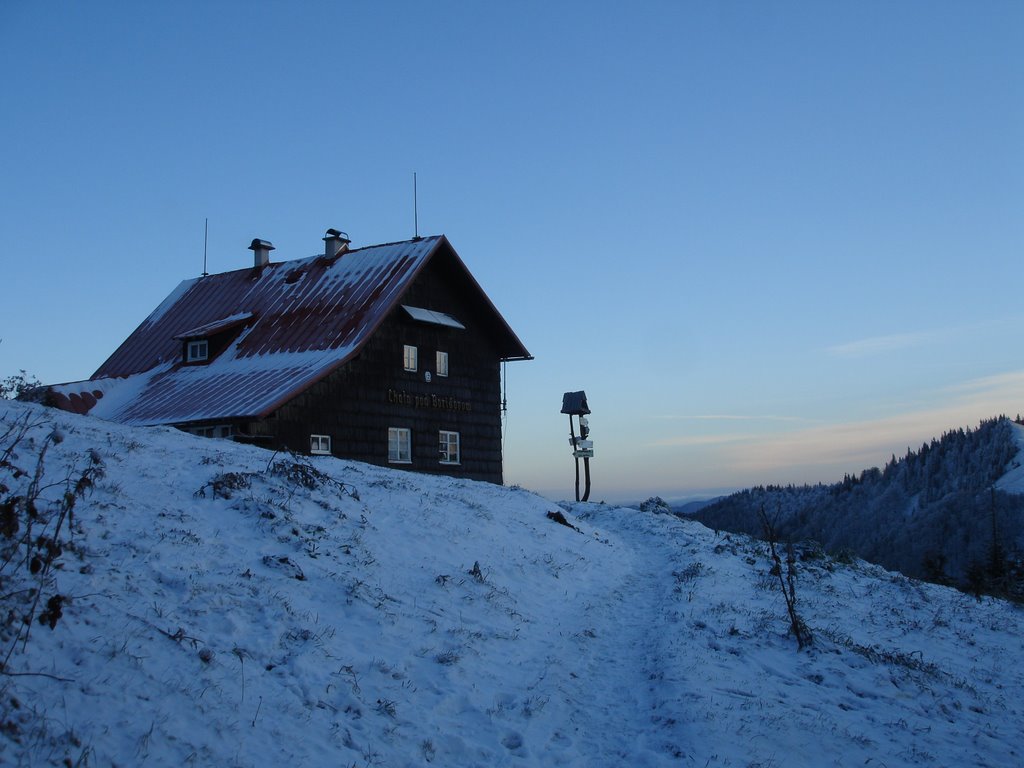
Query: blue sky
x,y
773,241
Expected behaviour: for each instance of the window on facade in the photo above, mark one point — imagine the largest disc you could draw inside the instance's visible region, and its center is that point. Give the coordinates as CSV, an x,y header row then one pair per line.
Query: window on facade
x,y
196,351
319,443
409,358
442,363
399,445
449,447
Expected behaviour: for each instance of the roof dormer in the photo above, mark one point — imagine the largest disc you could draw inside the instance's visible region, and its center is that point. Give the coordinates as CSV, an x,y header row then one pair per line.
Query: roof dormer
x,y
203,343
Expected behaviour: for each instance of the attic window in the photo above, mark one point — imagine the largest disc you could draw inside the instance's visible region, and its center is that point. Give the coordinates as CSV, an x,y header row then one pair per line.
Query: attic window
x,y
197,351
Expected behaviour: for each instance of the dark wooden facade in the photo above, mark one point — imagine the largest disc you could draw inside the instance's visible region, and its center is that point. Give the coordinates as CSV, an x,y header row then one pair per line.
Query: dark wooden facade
x,y
357,404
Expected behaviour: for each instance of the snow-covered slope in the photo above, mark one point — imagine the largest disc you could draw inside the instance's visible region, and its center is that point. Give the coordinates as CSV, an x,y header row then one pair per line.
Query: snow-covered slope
x,y
1013,480
230,607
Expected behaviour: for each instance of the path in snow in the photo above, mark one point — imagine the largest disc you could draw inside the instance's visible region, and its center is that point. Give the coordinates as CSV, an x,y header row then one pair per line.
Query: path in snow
x,y
610,678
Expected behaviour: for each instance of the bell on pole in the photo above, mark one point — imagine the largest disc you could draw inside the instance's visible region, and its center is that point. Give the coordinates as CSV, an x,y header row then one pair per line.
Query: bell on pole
x,y
575,404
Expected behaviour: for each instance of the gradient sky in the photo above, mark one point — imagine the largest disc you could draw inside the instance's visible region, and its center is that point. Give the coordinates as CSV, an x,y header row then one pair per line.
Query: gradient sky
x,y
773,241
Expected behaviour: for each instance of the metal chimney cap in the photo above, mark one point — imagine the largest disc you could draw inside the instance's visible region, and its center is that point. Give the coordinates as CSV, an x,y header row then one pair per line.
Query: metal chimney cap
x,y
261,245
335,243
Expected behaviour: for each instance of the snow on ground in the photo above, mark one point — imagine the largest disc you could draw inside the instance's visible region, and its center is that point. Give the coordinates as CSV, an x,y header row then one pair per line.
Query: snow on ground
x,y
230,607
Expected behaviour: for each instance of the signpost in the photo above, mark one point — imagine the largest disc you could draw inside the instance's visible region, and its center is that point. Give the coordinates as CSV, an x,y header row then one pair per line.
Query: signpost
x,y
575,404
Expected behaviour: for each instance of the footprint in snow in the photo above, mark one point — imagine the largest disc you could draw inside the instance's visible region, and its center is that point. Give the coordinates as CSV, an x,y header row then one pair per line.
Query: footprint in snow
x,y
512,741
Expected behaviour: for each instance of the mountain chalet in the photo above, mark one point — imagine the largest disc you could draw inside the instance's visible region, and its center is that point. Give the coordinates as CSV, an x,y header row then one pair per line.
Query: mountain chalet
x,y
389,354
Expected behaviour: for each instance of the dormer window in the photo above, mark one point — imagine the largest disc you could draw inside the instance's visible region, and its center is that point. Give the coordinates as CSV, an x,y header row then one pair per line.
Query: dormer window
x,y
197,351
203,343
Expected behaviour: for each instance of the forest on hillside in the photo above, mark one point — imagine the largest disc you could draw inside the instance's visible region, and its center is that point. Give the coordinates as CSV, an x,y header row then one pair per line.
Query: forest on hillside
x,y
933,514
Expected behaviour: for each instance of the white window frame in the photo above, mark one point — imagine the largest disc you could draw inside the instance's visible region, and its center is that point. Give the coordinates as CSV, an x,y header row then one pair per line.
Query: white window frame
x,y
410,357
320,445
450,447
399,445
442,363
197,351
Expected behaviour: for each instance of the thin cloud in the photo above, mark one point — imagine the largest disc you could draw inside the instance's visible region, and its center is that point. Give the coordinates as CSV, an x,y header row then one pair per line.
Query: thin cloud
x,y
823,452
685,441
736,417
880,345
1008,385
858,445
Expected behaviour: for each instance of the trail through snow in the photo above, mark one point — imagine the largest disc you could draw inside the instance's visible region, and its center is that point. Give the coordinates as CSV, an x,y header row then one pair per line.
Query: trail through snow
x,y
609,673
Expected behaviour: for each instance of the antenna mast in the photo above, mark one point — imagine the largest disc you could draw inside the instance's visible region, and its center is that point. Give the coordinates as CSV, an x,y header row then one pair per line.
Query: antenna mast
x,y
415,209
206,237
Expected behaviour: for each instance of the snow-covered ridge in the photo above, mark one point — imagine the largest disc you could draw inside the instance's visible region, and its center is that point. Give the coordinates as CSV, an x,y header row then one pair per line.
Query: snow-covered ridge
x,y
1013,480
231,607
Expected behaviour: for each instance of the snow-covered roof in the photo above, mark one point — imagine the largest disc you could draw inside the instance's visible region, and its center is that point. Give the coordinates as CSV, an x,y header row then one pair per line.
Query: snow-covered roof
x,y
296,321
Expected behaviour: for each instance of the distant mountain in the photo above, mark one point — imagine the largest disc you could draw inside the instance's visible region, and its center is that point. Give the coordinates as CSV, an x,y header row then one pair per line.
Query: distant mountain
x,y
693,507
939,513
679,508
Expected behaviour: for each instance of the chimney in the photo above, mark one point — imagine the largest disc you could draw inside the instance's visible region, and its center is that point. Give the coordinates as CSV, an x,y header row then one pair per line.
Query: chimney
x,y
336,243
261,252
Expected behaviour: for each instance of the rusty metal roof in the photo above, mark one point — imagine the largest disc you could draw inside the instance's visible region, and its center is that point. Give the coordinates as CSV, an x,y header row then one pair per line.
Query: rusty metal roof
x,y
286,326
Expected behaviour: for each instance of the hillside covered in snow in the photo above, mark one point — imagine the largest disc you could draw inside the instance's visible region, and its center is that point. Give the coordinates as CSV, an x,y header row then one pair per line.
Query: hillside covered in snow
x,y
212,604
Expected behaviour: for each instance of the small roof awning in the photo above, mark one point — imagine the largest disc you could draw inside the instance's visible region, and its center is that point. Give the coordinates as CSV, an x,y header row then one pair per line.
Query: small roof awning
x,y
432,317
216,326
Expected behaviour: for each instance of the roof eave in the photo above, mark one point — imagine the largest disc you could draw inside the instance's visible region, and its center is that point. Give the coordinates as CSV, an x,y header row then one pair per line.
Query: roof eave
x,y
521,353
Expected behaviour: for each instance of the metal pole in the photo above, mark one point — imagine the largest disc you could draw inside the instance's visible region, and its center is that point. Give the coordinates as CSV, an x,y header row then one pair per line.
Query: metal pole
x,y
206,237
572,434
586,468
